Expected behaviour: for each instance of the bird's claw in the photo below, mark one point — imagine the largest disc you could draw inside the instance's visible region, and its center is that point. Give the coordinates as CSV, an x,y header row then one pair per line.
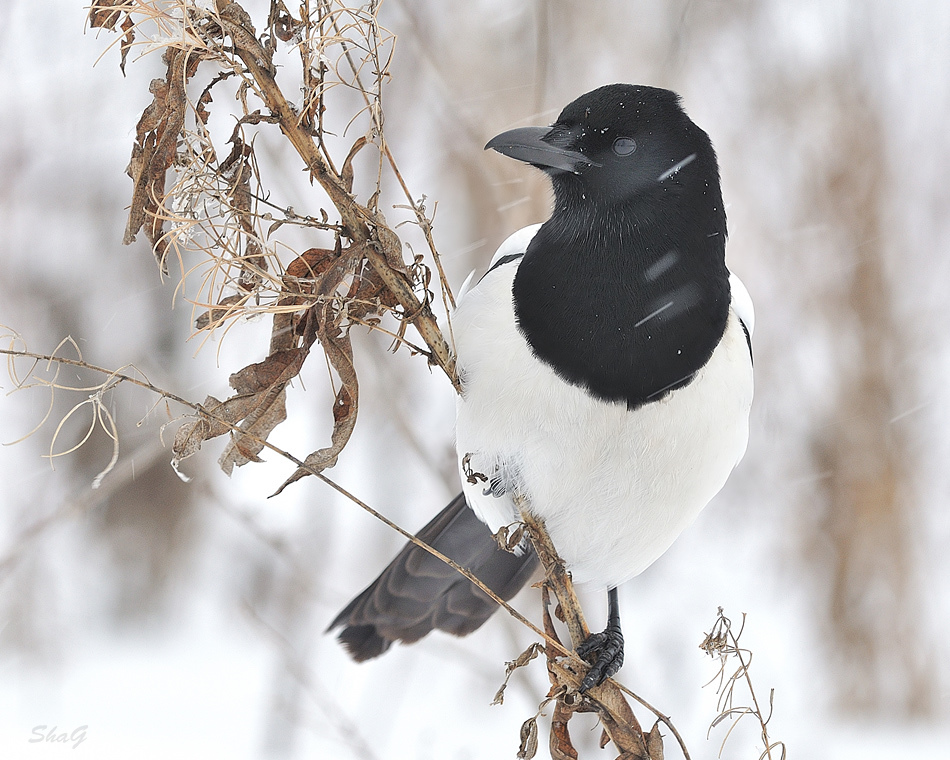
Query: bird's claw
x,y
604,651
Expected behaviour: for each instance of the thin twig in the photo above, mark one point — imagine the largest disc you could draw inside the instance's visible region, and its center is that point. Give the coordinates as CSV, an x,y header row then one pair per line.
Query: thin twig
x,y
356,218
122,377
607,699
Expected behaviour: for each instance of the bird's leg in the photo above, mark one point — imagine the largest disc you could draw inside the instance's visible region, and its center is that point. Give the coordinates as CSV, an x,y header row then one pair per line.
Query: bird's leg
x,y
604,650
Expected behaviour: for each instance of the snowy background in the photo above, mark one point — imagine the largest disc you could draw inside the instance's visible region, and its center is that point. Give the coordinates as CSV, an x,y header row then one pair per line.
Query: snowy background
x,y
180,620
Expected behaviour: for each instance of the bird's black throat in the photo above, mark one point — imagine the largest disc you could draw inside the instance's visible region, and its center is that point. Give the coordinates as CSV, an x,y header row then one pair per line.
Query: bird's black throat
x,y
627,300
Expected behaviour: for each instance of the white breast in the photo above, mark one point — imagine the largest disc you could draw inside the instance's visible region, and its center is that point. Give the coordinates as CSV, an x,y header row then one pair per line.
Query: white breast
x,y
614,487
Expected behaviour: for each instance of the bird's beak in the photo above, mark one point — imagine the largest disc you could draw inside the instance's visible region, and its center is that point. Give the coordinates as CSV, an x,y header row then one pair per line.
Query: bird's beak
x,y
528,144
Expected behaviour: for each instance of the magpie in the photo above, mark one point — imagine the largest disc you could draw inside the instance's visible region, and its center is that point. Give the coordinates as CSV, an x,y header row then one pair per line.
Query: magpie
x,y
605,359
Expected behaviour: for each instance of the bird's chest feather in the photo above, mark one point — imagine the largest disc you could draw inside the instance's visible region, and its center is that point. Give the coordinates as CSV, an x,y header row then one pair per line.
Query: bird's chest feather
x,y
638,475
628,323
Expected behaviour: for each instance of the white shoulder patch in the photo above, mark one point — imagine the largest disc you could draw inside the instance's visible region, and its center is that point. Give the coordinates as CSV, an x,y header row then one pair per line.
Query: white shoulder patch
x,y
465,286
742,303
514,244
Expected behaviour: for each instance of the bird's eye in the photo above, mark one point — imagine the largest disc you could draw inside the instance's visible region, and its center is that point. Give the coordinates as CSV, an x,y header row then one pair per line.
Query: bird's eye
x,y
624,146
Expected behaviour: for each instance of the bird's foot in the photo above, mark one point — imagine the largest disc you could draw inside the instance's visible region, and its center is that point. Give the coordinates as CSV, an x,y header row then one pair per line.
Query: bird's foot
x,y
604,651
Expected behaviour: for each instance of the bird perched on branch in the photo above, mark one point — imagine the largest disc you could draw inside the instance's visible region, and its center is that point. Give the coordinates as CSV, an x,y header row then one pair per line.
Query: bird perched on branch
x,y
606,368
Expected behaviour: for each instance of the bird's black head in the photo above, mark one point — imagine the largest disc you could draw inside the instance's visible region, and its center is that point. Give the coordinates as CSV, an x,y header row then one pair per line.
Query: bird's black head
x,y
624,290
616,144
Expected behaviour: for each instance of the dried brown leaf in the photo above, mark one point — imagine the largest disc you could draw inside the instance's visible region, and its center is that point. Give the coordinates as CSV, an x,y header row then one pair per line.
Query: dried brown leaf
x,y
312,263
284,25
346,173
256,408
560,744
201,106
128,26
529,739
156,145
655,742
509,539
245,445
472,476
211,423
620,723
339,352
525,657
239,169
277,369
105,14
373,298
283,334
221,311
510,667
389,245
264,384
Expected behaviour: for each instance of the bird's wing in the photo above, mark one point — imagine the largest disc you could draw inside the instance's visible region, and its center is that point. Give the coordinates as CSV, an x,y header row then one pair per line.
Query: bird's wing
x,y
485,315
418,593
514,246
742,303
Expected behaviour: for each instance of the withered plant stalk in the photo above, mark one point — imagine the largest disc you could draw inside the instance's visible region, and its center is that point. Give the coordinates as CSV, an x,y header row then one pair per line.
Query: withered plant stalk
x,y
206,213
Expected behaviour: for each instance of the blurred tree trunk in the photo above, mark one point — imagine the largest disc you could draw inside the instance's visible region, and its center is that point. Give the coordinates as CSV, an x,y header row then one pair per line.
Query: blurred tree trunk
x,y
868,512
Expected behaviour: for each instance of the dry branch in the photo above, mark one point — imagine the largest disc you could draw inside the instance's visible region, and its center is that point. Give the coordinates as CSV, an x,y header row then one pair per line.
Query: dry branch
x,y
188,201
607,700
566,668
115,378
722,643
361,224
211,209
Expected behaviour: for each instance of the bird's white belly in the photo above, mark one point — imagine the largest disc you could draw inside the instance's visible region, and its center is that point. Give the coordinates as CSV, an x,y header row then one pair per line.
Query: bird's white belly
x,y
614,487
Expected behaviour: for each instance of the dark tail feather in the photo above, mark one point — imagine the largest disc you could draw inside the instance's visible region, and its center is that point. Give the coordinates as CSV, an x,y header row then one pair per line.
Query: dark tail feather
x,y
418,593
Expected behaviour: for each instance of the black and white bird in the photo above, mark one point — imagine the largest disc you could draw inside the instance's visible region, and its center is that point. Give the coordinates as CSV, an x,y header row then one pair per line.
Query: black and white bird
x,y
606,368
